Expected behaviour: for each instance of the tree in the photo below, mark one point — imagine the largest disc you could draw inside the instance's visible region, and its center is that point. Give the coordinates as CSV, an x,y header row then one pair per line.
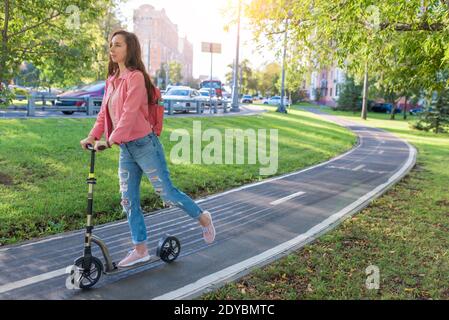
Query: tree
x,y
28,76
365,37
160,78
175,75
268,79
350,96
436,117
248,81
192,83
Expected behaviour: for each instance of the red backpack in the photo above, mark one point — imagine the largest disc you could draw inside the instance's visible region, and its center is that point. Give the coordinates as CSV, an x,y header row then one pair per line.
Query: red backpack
x,y
156,111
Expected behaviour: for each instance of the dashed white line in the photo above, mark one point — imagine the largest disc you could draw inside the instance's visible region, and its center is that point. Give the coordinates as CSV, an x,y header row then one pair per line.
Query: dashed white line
x,y
358,167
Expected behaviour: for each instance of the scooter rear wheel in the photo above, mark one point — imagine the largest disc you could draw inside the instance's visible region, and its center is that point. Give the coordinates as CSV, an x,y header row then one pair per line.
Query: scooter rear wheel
x,y
168,249
88,278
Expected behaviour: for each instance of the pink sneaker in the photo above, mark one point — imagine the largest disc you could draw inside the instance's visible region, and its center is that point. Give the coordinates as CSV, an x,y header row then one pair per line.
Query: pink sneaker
x,y
209,231
133,258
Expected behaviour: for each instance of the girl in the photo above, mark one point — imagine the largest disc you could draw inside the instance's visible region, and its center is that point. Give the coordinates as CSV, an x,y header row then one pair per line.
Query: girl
x,y
127,118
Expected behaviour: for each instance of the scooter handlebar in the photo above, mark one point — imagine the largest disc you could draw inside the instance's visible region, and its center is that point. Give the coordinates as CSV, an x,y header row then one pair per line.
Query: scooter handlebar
x,y
89,146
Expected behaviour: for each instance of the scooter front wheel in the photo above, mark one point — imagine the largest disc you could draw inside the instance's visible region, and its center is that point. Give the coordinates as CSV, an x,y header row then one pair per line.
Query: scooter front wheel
x,y
168,249
89,277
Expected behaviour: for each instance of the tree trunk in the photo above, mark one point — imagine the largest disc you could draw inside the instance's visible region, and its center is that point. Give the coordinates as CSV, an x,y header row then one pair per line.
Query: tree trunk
x,y
365,93
393,112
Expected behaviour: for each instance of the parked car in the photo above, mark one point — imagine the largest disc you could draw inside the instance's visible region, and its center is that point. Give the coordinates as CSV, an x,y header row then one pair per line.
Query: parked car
x,y
226,94
416,111
276,100
214,84
94,90
210,94
184,93
205,92
247,99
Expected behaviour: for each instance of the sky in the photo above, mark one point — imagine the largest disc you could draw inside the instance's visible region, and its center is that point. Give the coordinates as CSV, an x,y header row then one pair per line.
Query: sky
x,y
203,21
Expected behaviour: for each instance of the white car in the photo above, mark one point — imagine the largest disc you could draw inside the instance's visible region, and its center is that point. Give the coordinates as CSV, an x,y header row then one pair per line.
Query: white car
x,y
247,99
188,97
209,94
276,100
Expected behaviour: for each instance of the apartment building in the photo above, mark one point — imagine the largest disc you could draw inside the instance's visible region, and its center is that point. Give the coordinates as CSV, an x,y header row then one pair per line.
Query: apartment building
x,y
160,41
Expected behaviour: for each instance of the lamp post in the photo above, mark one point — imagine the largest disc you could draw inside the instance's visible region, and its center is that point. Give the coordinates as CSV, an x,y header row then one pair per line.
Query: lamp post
x,y
167,72
281,107
235,85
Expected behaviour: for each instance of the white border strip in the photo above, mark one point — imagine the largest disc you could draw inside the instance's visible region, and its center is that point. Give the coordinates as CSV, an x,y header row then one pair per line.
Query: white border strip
x,y
26,282
230,272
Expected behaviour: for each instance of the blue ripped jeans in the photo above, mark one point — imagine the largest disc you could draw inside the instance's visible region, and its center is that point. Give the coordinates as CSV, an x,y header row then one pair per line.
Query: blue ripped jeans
x,y
146,155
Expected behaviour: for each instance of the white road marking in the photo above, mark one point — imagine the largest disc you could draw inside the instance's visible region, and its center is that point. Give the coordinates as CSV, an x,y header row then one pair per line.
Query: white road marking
x,y
31,280
381,152
294,195
41,241
358,167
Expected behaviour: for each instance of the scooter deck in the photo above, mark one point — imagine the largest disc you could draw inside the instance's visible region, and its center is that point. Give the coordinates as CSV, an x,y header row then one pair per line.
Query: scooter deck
x,y
137,265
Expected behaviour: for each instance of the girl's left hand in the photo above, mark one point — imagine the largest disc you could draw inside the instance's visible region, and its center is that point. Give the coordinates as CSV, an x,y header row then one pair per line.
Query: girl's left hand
x,y
100,145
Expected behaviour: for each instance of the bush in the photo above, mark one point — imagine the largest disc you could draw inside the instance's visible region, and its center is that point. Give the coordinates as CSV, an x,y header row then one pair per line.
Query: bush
x,y
6,96
299,96
435,117
350,98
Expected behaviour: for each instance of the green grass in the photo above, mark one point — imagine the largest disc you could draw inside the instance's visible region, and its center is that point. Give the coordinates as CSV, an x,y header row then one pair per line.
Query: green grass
x,y
43,169
405,233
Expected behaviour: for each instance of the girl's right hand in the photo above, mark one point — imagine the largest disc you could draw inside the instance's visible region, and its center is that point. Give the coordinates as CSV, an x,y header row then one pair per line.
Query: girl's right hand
x,y
86,141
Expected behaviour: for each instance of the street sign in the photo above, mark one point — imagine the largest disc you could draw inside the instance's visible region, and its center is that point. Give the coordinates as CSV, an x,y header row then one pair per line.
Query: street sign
x,y
211,47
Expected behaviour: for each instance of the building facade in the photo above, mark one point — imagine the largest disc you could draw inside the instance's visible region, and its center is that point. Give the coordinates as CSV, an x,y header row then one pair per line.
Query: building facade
x,y
325,85
160,42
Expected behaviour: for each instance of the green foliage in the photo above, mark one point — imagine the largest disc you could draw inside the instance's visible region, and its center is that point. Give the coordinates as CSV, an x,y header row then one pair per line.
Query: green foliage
x,y
175,75
248,78
404,45
435,118
28,76
6,95
350,96
268,79
65,40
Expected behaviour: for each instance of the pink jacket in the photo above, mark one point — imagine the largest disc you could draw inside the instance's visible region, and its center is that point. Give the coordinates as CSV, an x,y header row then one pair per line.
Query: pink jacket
x,y
131,110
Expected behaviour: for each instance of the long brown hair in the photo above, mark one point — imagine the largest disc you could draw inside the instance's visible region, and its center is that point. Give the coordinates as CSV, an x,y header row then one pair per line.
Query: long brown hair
x,y
133,60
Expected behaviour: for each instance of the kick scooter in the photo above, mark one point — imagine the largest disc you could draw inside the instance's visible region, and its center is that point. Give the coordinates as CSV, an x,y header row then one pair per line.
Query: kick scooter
x,y
87,269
